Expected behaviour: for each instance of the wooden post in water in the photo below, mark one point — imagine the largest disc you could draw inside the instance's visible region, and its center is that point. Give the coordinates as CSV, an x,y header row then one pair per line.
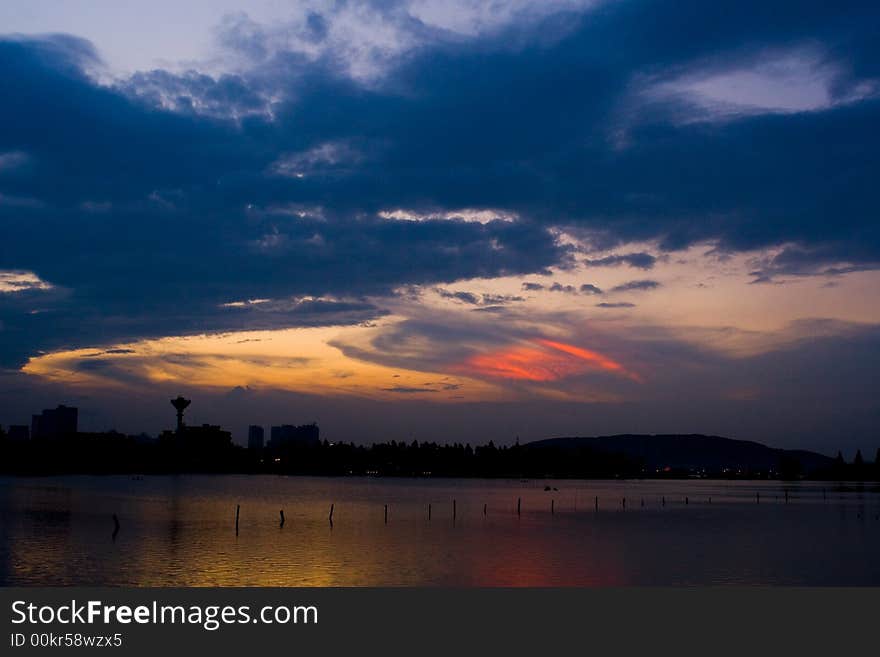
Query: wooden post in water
x,y
758,497
663,501
643,502
596,502
237,509
786,496
331,515
386,514
686,500
518,506
552,507
454,511
281,513
623,503
115,526
484,508
429,510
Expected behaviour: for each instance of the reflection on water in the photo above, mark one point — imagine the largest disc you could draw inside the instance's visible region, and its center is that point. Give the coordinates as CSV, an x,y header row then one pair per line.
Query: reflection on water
x,y
181,531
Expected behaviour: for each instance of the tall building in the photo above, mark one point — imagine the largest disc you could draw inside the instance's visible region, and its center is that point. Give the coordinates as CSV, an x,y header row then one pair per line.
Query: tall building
x,y
287,435
255,438
55,422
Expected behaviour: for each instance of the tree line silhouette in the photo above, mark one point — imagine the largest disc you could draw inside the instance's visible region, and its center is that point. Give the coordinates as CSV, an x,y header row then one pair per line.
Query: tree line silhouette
x,y
208,449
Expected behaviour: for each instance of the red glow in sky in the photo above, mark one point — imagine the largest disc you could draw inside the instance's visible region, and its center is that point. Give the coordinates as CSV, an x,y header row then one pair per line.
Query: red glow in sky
x,y
548,361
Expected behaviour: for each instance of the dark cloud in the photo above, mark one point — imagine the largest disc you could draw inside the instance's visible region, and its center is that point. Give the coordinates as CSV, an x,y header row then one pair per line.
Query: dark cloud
x,y
110,352
635,286
499,299
474,299
637,260
464,297
191,191
93,365
804,261
229,96
621,304
586,288
408,391
182,239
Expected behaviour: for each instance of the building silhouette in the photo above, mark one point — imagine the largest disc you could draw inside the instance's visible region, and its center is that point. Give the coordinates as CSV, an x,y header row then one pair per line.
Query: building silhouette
x,y
18,433
287,435
204,448
55,423
207,437
255,438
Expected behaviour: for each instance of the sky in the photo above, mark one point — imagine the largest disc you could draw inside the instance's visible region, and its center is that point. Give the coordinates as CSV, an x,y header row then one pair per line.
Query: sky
x,y
444,220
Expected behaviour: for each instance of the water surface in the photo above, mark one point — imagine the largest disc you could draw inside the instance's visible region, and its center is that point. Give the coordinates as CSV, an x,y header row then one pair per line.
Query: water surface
x,y
180,531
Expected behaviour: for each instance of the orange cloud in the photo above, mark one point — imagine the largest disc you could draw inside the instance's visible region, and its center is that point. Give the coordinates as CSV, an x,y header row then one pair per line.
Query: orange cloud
x,y
600,361
549,360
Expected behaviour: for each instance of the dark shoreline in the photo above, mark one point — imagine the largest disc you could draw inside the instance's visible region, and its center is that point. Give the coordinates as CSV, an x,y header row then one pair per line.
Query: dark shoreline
x,y
835,485
635,457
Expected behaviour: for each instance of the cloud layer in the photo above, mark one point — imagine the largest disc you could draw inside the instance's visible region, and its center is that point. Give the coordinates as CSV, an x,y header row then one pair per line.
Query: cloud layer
x,y
159,210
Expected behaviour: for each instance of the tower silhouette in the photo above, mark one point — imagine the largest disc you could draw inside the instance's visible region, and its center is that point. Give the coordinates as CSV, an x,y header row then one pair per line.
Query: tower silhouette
x,y
180,404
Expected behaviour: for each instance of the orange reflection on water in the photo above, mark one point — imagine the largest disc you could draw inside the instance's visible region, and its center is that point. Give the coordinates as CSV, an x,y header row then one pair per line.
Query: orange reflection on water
x,y
180,531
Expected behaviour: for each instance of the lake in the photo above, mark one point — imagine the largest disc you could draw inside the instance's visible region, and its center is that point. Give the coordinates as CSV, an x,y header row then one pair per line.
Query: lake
x,y
180,531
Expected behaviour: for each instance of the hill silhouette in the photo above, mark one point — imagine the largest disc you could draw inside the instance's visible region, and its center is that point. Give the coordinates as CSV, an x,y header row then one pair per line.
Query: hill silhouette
x,y
210,449
691,452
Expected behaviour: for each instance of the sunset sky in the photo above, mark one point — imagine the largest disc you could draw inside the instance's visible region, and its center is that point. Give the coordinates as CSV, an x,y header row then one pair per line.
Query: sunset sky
x,y
444,220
